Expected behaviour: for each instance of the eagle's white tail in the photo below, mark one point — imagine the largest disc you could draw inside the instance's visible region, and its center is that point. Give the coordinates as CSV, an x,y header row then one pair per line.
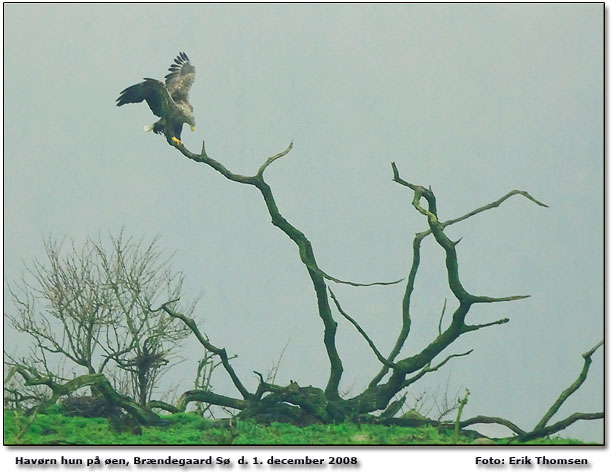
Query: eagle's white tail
x,y
148,128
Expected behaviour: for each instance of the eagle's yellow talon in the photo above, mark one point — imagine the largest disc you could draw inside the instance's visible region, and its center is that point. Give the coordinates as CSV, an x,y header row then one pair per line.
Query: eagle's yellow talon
x,y
177,141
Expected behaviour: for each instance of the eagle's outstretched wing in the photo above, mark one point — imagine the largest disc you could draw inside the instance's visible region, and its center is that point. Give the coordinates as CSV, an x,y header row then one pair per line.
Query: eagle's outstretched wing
x,y
151,90
180,78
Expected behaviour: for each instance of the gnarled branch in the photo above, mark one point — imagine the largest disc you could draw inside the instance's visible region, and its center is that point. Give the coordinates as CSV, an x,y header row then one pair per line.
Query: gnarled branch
x,y
221,352
306,254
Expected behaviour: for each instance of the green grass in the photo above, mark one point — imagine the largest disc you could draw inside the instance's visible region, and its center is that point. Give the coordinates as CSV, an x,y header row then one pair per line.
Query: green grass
x,y
189,429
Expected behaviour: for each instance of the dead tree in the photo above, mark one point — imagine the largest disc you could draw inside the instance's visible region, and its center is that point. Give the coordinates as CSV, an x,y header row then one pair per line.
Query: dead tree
x,y
306,404
269,402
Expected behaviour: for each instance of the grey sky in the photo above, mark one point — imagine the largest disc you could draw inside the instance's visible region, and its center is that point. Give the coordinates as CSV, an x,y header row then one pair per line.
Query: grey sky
x,y
474,100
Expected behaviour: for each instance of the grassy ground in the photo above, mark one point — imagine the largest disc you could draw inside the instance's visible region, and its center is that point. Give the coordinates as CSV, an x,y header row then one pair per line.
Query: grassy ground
x,y
189,429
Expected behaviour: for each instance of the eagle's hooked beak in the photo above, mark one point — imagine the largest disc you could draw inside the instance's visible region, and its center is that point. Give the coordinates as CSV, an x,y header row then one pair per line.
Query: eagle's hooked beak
x,y
192,128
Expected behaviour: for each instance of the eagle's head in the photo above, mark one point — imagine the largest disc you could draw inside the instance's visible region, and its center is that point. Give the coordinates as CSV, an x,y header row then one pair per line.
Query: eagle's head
x,y
190,117
191,124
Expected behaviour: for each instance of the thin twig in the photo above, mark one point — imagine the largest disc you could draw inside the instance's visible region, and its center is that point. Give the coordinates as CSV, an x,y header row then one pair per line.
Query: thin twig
x,y
375,350
494,204
273,158
354,284
485,325
443,312
428,369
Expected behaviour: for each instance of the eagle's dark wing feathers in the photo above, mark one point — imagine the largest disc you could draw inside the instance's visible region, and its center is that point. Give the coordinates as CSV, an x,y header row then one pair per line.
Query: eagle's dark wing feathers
x,y
151,90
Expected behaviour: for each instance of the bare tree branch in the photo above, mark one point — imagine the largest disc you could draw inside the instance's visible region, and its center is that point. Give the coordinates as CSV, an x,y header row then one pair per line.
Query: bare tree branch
x,y
209,397
492,420
99,382
587,360
468,328
272,159
541,429
221,352
494,204
405,309
427,369
443,312
361,331
306,254
559,426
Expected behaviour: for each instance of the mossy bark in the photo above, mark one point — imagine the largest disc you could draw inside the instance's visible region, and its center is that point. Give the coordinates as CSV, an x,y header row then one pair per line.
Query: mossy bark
x,y
100,384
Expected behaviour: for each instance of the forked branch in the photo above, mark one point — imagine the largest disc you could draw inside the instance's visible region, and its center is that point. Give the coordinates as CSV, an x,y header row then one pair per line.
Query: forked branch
x,y
542,429
354,323
318,276
449,246
587,361
221,352
421,361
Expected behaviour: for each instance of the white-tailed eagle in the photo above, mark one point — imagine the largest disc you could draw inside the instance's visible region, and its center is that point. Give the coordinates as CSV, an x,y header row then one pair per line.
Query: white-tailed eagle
x,y
169,101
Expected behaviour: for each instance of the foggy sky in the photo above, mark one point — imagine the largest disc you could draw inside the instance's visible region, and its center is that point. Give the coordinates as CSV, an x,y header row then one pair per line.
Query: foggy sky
x,y
472,99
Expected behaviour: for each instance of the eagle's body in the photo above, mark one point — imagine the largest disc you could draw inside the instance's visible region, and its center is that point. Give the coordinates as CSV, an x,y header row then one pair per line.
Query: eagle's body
x,y
169,100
